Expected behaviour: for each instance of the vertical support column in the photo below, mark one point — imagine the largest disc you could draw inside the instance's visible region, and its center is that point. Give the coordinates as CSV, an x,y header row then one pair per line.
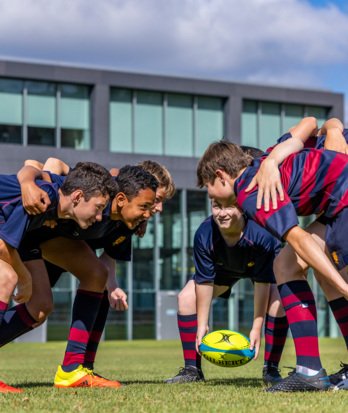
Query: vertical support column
x,y
130,300
100,117
183,212
157,273
233,119
58,118
25,117
233,309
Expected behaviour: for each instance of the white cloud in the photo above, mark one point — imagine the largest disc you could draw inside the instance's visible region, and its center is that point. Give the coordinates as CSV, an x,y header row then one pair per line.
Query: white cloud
x,y
275,41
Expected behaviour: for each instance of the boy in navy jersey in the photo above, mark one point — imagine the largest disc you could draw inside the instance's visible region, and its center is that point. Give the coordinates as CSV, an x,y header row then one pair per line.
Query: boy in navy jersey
x,y
115,239
82,197
227,248
315,182
332,136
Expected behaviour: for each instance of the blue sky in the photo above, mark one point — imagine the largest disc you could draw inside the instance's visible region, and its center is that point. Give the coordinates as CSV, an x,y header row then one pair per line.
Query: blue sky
x,y
298,43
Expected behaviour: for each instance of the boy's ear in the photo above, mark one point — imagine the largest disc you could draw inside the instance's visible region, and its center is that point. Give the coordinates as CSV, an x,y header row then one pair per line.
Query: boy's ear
x,y
76,196
221,175
121,199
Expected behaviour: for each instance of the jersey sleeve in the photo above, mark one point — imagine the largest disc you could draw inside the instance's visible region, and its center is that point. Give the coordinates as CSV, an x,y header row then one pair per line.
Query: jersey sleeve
x,y
120,249
203,259
277,222
13,224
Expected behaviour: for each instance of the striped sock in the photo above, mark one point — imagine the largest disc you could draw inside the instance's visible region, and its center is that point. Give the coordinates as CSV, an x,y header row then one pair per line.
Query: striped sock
x,y
16,322
299,305
276,330
85,310
3,308
187,325
97,332
339,308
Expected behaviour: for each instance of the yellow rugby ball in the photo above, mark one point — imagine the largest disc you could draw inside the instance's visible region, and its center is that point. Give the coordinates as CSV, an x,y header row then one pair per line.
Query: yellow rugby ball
x,y
226,348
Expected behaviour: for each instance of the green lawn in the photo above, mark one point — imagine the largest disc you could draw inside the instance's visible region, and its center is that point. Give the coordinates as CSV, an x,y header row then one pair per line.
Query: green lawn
x,y
142,366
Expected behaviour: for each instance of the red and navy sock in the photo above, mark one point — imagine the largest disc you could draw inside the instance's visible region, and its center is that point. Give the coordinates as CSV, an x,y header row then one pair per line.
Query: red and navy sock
x,y
85,310
276,330
97,332
188,330
339,308
3,308
16,322
299,305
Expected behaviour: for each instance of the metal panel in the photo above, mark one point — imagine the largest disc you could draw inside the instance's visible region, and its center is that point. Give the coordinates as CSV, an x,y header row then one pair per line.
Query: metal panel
x,y
167,308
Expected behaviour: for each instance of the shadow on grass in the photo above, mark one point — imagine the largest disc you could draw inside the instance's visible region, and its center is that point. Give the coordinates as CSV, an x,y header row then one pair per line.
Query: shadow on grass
x,y
126,382
32,385
238,382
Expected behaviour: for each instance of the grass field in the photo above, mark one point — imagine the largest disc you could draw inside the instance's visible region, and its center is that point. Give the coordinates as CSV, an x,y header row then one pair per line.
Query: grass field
x,y
142,366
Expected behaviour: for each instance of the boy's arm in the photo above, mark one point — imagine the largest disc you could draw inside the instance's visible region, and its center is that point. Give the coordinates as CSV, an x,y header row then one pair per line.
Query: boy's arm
x,y
204,296
306,247
56,166
117,297
334,141
268,176
34,199
261,299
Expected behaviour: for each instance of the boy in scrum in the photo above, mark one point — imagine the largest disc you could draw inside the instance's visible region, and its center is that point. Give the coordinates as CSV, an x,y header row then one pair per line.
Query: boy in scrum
x,y
314,182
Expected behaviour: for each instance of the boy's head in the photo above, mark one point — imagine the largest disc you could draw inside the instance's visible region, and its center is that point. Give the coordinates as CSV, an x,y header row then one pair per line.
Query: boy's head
x,y
227,218
220,164
136,196
166,186
89,187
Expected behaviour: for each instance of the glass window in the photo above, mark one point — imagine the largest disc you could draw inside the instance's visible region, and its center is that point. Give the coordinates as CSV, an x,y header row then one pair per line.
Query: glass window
x,y
143,265
269,124
121,120
209,125
319,112
11,110
179,125
197,212
148,127
249,123
41,136
74,116
144,315
170,241
292,115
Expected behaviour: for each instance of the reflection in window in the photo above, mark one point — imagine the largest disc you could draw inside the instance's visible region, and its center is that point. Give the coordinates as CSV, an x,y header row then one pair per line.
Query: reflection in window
x,y
41,136
11,110
148,123
170,233
10,134
269,124
74,116
292,115
121,120
249,123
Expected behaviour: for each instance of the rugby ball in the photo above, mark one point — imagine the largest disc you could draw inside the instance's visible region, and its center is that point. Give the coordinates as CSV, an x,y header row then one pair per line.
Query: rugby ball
x,y
226,348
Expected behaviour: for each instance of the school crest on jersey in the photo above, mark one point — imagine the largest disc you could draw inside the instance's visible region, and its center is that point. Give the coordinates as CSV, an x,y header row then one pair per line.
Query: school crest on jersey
x,y
119,240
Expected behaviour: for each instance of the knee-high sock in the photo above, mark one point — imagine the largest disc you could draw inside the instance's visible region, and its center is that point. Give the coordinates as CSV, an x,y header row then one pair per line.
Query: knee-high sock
x,y
339,308
299,305
85,310
3,308
97,332
276,330
16,322
188,330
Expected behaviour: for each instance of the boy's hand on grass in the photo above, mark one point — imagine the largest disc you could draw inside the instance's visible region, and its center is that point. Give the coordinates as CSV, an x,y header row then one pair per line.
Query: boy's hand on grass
x,y
118,299
255,341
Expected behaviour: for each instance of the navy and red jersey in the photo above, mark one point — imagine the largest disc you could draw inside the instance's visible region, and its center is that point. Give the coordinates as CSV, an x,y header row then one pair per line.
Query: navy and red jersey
x,y
14,221
312,142
314,181
252,257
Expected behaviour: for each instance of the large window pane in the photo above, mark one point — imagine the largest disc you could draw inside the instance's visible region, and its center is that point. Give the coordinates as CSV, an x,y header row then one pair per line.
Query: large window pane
x,y
170,234
143,266
319,112
269,124
11,110
74,116
144,315
41,136
292,115
209,122
121,120
249,123
179,125
148,131
196,213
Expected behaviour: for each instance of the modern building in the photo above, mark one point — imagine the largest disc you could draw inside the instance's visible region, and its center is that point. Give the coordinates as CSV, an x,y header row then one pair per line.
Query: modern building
x,y
114,118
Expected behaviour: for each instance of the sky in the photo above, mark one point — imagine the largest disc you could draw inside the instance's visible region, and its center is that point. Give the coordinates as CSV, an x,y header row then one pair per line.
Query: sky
x,y
298,43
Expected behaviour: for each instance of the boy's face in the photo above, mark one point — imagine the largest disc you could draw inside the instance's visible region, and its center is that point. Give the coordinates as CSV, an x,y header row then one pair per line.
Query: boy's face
x,y
221,191
138,208
159,200
88,212
226,218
